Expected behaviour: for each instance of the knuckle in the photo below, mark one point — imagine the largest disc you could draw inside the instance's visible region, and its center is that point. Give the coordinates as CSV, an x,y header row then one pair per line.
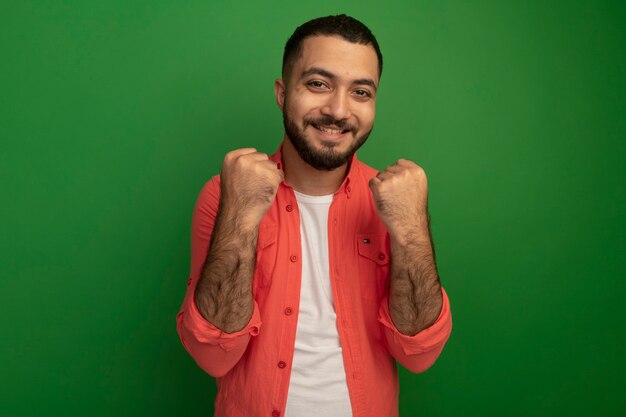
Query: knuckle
x,y
228,157
418,169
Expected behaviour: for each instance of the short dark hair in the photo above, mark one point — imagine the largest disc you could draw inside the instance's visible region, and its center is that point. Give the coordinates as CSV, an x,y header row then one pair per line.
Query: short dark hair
x,y
341,25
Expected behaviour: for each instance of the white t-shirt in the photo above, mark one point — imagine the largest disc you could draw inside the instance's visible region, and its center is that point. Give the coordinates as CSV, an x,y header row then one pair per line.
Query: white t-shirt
x,y
318,379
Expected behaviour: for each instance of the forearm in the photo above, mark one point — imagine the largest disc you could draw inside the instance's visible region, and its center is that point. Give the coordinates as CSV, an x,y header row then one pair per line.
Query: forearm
x,y
415,298
224,291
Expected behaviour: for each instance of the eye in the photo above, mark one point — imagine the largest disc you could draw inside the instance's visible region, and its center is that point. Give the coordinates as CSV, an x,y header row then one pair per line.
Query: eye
x,y
363,93
316,84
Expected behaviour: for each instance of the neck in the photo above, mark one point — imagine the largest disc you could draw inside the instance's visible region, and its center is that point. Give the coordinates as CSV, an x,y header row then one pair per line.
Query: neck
x,y
306,179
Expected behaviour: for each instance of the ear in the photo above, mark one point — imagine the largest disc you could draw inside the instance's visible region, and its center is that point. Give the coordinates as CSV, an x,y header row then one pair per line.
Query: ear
x,y
279,92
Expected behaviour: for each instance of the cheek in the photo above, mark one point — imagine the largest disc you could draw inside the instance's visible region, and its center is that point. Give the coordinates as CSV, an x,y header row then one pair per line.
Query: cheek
x,y
366,117
300,107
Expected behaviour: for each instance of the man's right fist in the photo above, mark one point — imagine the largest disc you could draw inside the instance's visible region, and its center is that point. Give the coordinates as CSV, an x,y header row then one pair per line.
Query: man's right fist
x,y
249,182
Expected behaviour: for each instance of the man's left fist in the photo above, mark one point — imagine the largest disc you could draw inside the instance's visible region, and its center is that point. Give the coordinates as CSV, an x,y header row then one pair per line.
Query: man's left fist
x,y
400,194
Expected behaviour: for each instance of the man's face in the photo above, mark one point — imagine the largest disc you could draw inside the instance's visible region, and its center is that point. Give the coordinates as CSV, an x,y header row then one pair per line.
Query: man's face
x,y
329,100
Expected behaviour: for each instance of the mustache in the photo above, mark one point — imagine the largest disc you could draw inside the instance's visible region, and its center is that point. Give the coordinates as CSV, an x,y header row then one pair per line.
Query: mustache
x,y
331,122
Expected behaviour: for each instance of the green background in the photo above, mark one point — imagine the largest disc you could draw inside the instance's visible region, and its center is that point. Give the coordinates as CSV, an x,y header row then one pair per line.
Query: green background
x,y
113,114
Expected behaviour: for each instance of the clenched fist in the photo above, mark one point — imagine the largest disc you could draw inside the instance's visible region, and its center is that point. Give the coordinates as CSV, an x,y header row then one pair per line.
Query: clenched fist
x,y
400,194
249,182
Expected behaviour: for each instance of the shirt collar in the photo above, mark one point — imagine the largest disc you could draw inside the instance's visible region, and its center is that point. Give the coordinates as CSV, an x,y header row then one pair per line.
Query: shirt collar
x,y
345,185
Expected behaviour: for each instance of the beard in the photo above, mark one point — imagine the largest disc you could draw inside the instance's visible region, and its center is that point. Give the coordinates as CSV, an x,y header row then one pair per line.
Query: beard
x,y
328,158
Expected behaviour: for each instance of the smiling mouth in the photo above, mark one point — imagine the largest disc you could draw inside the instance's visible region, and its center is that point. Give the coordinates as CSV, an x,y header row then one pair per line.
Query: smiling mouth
x,y
329,130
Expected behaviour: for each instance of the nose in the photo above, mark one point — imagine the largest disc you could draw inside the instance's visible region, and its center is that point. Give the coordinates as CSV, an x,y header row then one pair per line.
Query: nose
x,y
337,106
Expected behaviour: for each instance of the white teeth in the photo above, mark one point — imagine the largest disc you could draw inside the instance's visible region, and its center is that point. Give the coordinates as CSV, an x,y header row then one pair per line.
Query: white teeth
x,y
332,131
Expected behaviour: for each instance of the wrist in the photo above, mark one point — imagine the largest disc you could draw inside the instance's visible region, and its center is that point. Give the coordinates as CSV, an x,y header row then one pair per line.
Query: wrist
x,y
408,235
238,221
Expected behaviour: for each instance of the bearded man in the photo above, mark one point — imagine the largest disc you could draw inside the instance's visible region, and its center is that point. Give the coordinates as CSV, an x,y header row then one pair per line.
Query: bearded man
x,y
312,273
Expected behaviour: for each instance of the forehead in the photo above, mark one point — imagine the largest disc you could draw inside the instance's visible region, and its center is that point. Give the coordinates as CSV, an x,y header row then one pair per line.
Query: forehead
x,y
339,56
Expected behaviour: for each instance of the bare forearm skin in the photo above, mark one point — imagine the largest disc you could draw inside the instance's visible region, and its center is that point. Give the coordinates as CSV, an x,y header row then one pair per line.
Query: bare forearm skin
x,y
415,297
224,291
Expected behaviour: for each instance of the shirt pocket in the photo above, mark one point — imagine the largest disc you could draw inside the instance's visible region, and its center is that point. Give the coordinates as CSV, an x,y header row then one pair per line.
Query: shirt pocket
x,y
265,254
373,264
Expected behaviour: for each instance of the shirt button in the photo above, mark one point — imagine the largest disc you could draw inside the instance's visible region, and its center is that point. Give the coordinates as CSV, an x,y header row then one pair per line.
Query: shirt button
x,y
289,208
293,258
288,311
275,413
381,256
281,364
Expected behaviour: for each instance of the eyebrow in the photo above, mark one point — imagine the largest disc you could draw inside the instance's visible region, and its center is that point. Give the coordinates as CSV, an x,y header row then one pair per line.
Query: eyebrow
x,y
328,74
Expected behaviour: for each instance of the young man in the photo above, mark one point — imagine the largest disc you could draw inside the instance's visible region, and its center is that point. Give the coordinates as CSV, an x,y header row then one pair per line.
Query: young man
x,y
311,272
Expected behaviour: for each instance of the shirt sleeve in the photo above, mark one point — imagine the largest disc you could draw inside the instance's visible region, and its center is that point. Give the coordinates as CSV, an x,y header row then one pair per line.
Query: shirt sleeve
x,y
215,351
419,352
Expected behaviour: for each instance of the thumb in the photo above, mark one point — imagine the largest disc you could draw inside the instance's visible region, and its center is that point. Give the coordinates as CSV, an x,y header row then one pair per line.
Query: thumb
x,y
373,183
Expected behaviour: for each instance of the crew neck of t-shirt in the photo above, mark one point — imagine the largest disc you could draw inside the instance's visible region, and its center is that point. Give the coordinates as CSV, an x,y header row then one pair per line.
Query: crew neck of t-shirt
x,y
313,199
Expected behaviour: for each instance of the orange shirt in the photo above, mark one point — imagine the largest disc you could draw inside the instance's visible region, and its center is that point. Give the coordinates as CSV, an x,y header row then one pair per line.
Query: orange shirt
x,y
253,365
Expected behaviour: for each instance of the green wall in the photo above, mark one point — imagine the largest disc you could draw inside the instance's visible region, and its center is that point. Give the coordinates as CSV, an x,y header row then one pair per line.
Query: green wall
x,y
113,114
